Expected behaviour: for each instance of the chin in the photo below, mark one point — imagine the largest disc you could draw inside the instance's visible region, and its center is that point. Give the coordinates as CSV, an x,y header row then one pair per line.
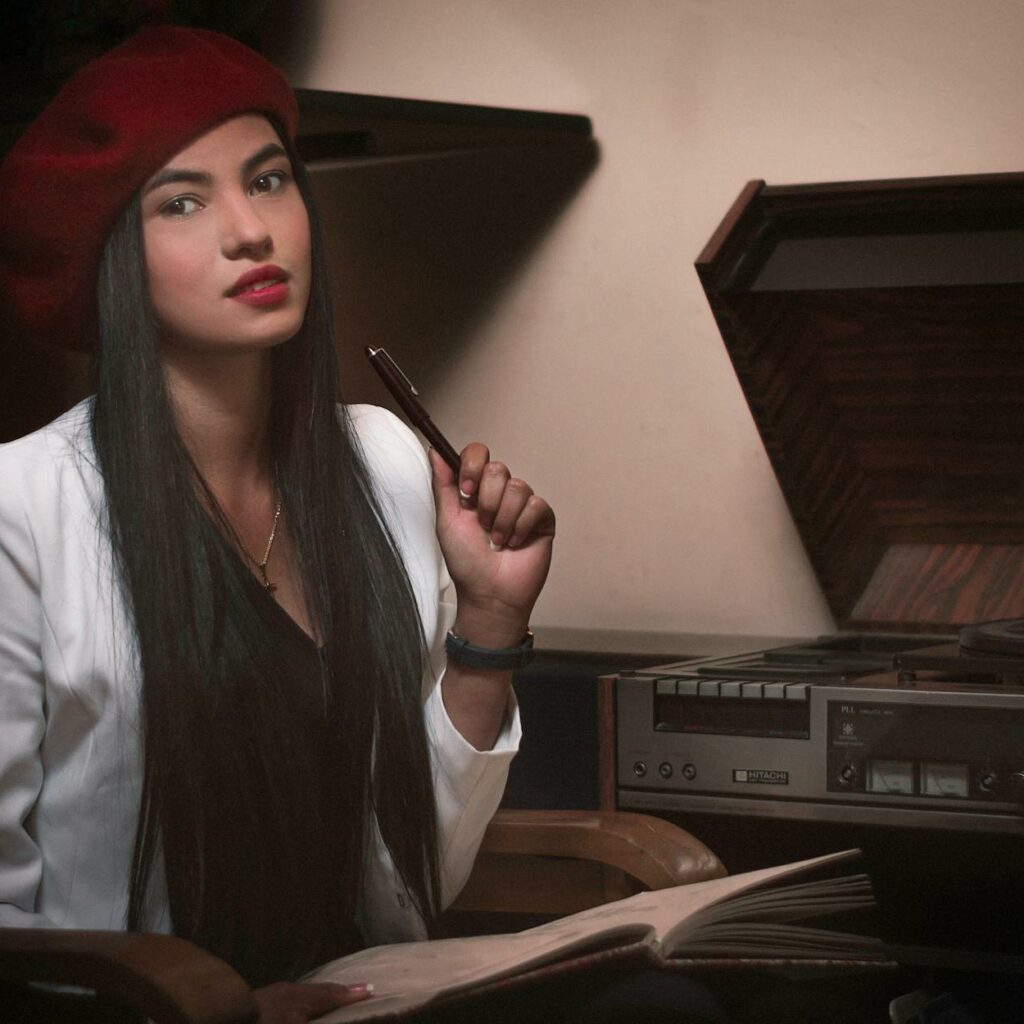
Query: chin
x,y
268,335
270,340
233,338
272,334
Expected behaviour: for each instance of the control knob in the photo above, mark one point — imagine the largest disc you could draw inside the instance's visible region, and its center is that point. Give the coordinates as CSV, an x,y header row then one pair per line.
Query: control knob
x,y
988,781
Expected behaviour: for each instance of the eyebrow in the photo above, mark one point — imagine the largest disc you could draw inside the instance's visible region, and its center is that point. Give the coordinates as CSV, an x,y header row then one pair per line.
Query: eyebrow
x,y
175,175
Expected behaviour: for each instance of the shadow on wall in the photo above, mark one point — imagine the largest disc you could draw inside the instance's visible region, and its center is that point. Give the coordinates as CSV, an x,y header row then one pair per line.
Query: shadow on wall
x,y
423,247
421,250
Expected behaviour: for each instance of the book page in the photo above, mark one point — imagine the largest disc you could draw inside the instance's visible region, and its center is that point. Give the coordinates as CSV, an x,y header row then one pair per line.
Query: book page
x,y
729,927
770,940
794,902
407,975
667,910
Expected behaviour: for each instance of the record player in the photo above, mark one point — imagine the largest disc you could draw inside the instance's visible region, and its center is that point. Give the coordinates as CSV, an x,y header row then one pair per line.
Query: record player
x,y
876,331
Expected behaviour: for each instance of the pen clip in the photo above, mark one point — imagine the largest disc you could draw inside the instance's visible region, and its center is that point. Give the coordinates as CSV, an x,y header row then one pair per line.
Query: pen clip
x,y
383,353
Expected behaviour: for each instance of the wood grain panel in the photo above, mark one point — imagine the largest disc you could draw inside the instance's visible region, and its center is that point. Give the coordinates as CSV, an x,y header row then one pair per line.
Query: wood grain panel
x,y
892,414
940,586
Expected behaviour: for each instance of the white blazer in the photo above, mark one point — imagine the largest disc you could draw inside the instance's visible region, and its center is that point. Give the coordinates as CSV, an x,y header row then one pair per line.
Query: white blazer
x,y
70,760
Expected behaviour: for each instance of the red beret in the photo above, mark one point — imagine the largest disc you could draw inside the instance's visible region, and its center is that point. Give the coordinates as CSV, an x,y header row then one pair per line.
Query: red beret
x,y
111,127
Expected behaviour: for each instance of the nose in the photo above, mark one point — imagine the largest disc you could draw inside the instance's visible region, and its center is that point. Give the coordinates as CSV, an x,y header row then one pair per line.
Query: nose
x,y
243,230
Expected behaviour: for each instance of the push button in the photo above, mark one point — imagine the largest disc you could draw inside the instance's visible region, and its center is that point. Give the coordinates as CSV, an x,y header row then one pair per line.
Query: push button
x,y
665,770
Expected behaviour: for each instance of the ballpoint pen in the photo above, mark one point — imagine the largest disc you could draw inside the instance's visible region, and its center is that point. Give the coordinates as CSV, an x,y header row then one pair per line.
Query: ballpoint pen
x,y
407,397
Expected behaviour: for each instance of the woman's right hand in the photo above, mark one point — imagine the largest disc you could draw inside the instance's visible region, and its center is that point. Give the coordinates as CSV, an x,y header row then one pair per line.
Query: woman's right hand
x,y
287,1002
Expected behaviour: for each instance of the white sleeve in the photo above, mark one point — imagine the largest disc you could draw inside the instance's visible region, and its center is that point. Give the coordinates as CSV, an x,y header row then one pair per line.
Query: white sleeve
x,y
468,786
468,783
22,712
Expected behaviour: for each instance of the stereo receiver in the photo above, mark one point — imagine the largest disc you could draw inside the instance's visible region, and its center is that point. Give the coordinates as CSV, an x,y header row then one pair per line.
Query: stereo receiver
x,y
859,728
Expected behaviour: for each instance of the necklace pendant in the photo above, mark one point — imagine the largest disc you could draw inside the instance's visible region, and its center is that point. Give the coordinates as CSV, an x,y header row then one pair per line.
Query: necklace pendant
x,y
262,566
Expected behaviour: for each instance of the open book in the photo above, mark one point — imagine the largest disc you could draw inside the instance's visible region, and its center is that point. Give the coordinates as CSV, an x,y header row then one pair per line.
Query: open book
x,y
750,915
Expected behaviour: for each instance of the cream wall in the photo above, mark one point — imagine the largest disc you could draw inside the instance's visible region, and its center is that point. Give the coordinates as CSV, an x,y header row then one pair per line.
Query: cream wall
x,y
600,375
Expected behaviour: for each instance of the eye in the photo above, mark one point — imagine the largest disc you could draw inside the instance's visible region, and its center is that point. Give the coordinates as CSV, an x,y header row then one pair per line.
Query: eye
x,y
269,183
180,206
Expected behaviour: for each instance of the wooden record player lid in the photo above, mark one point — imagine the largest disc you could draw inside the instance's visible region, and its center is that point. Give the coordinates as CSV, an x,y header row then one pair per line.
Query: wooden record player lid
x,y
877,330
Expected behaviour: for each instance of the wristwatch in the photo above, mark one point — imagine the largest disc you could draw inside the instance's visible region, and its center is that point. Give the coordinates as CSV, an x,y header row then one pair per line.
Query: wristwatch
x,y
474,656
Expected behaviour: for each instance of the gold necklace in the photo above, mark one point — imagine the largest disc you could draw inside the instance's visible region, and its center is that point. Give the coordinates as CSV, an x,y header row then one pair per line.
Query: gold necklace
x,y
262,565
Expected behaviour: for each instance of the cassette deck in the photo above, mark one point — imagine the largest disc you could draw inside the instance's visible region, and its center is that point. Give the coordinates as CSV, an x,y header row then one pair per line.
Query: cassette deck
x,y
858,728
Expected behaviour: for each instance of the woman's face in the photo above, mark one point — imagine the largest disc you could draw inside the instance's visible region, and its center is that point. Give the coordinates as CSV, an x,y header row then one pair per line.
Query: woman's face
x,y
226,240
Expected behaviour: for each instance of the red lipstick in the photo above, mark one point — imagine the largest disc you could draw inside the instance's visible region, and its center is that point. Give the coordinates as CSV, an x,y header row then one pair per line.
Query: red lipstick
x,y
261,286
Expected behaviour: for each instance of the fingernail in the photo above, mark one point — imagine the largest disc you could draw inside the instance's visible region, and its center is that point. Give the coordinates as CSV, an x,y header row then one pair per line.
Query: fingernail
x,y
366,987
513,542
466,488
494,547
463,495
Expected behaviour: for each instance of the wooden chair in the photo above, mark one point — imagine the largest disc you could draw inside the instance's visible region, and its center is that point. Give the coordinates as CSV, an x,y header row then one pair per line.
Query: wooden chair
x,y
533,862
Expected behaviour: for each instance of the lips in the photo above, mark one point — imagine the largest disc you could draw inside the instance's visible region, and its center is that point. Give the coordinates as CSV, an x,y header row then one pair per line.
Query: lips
x,y
261,286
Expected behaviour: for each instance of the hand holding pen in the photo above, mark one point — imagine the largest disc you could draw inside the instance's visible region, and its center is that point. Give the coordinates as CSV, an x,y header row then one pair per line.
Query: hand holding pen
x,y
506,506
496,536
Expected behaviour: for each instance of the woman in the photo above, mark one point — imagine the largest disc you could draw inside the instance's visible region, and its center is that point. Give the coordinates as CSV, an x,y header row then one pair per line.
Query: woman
x,y
223,591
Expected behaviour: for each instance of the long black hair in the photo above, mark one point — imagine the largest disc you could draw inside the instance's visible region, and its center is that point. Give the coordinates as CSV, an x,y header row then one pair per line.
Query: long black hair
x,y
265,763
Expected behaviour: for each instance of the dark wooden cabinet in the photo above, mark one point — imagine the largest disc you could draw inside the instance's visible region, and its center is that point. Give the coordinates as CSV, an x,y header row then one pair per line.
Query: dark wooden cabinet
x,y
876,329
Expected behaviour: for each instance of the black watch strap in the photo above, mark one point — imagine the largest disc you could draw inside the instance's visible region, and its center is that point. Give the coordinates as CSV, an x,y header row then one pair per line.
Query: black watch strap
x,y
465,653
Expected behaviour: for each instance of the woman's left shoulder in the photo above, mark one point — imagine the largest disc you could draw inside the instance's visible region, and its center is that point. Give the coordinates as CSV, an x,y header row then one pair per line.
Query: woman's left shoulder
x,y
400,473
390,447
